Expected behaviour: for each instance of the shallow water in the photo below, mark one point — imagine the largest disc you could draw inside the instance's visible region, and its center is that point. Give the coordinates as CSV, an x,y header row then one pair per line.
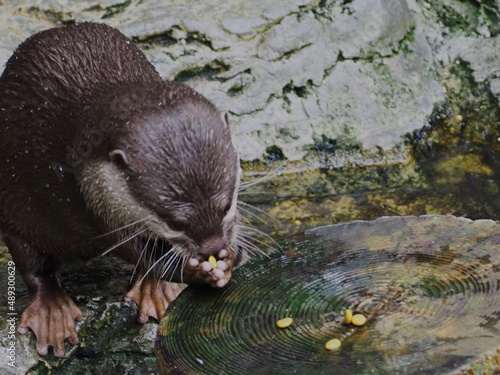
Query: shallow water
x,y
427,286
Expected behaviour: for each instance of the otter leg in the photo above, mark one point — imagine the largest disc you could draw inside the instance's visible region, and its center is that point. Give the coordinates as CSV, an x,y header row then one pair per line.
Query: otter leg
x,y
152,296
50,313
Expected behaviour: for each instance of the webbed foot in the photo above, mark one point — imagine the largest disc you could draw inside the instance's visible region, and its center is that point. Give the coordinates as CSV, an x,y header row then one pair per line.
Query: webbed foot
x,y
152,296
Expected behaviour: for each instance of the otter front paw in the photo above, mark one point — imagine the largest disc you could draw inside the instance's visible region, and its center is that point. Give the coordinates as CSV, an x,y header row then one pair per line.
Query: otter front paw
x,y
51,315
152,296
206,273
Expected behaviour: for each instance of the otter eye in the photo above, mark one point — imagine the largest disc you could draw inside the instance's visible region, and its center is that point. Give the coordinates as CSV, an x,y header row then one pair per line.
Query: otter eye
x,y
227,208
177,226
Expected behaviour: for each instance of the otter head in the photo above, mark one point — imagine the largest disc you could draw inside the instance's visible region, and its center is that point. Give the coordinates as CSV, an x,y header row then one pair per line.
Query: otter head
x,y
168,168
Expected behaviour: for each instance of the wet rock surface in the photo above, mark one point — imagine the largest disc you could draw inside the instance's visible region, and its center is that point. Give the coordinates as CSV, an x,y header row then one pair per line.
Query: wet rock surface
x,y
110,337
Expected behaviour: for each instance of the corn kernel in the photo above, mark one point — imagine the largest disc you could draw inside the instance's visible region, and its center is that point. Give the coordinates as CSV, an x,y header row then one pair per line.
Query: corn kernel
x,y
332,344
358,320
284,323
212,261
348,316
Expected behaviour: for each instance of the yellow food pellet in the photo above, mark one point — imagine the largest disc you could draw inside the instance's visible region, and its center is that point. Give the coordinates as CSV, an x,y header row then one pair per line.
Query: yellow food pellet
x,y
358,320
212,261
348,316
284,323
333,344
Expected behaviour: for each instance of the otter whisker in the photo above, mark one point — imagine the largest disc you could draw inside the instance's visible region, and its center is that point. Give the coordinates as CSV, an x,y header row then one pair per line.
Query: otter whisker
x,y
185,259
140,257
163,263
177,261
150,256
167,266
252,239
245,229
160,260
250,247
141,230
246,209
243,246
152,253
275,172
155,263
250,213
124,227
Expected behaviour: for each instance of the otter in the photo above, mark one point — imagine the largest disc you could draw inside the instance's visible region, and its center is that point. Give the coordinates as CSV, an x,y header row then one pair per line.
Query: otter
x,y
99,155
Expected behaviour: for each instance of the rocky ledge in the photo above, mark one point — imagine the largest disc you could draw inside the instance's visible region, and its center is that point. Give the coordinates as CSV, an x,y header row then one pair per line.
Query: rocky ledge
x,y
293,73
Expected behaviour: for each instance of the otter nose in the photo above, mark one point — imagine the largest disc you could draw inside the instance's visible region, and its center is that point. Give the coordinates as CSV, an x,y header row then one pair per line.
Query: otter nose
x,y
212,246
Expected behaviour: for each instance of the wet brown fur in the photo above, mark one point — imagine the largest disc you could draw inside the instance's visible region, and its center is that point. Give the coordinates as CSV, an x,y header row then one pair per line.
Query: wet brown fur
x,y
175,151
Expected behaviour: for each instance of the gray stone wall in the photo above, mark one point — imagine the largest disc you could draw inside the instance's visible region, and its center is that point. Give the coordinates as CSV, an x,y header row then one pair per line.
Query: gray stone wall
x,y
292,71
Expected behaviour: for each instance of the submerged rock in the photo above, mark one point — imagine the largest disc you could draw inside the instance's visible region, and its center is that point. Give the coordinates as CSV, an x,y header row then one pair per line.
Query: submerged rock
x,y
427,285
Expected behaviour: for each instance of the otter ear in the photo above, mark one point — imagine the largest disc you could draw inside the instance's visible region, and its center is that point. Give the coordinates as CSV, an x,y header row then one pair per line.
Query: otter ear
x,y
225,118
118,157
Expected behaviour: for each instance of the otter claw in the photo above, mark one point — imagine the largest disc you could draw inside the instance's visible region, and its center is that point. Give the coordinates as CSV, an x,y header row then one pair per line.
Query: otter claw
x,y
51,315
206,266
221,283
221,265
216,271
152,297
